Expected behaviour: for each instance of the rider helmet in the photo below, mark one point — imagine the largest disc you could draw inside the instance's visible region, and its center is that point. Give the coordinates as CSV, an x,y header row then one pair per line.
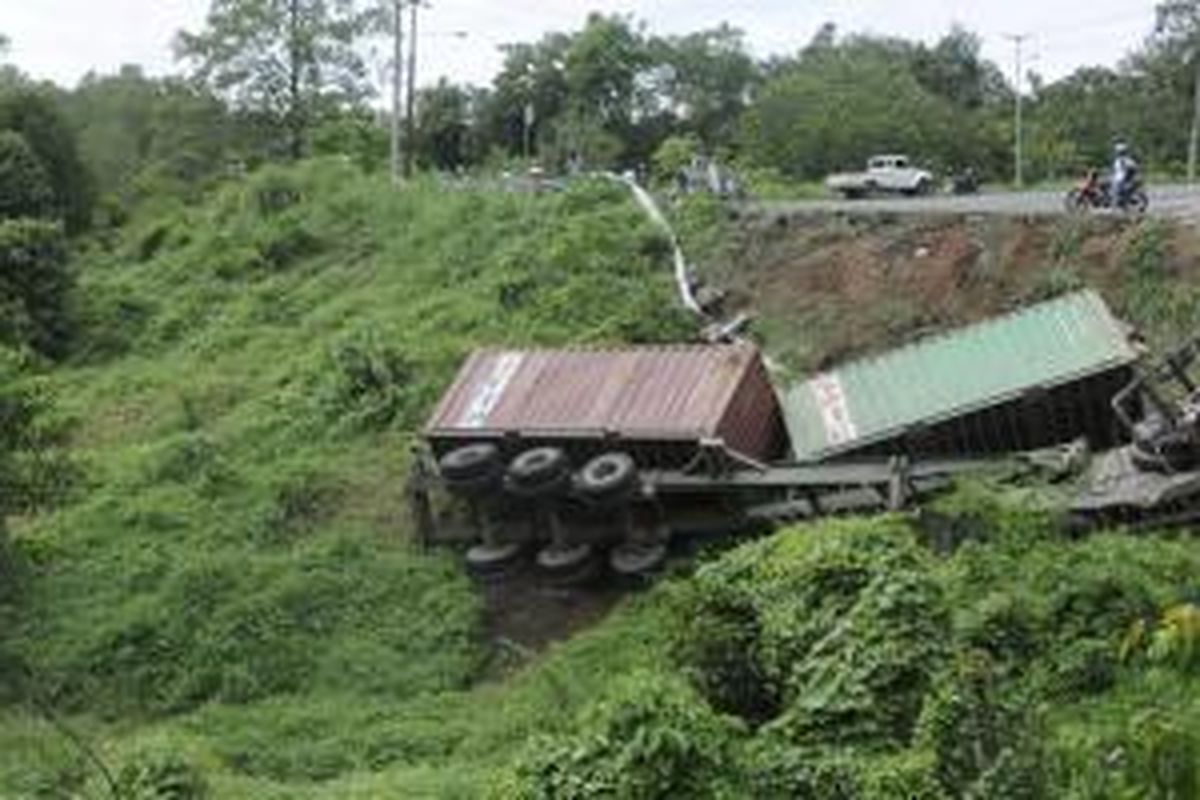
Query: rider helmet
x,y
1121,149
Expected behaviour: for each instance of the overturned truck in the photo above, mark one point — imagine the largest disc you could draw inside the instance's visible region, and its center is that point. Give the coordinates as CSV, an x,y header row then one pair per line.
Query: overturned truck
x,y
589,456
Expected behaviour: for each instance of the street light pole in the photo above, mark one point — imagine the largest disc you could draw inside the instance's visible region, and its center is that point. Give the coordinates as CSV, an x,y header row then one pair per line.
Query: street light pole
x,y
410,127
1194,136
1018,40
397,69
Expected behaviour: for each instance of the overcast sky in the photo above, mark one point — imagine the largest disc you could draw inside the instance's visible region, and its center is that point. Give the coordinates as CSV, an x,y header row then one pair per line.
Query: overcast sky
x,y
63,39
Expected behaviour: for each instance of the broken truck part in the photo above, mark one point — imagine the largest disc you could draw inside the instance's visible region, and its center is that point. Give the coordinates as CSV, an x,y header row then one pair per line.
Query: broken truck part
x,y
1154,480
577,453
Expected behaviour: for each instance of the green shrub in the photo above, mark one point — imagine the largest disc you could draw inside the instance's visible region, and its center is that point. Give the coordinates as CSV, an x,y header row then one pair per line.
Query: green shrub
x,y
35,287
776,770
367,385
34,472
651,737
33,112
1005,627
24,187
1081,668
984,745
1164,756
833,632
675,153
714,637
161,776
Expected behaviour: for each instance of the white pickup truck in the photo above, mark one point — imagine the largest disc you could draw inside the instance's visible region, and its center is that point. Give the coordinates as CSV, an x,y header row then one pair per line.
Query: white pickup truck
x,y
890,174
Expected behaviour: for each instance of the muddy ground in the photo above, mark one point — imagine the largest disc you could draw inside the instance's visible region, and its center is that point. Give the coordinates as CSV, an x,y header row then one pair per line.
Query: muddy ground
x,y
824,288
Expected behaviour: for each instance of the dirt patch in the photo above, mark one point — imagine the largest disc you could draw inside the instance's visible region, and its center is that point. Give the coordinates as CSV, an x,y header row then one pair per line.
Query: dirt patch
x,y
523,615
824,288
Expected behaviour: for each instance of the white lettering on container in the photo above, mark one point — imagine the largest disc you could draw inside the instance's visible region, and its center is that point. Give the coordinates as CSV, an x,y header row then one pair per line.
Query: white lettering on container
x,y
830,398
489,391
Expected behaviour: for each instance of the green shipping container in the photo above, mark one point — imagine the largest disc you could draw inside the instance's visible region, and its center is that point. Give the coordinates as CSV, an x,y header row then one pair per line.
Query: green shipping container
x,y
1036,377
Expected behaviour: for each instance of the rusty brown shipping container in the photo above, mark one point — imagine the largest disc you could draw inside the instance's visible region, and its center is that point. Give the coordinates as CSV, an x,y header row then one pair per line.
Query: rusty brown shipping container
x,y
656,402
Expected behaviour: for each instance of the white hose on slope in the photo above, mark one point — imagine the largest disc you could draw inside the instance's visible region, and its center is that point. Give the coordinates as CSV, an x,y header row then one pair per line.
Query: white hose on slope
x,y
646,201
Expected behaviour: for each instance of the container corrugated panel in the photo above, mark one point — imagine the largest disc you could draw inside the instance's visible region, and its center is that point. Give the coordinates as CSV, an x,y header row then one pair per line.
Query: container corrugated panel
x,y
962,375
639,394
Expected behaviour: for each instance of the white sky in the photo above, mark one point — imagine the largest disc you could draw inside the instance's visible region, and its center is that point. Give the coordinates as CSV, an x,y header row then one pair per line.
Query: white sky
x,y
61,40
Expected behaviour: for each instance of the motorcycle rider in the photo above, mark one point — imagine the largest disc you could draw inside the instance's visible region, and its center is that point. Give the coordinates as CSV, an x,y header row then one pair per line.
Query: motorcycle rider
x,y
1124,169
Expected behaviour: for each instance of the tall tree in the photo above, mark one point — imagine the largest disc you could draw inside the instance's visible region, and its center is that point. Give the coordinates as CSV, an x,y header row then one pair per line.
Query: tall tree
x,y
164,132
24,187
35,114
290,61
955,69
443,126
530,94
705,79
839,104
1177,47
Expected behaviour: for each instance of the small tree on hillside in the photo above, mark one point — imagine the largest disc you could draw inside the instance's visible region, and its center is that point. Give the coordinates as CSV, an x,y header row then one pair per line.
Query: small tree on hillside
x,y
24,187
35,287
287,60
35,114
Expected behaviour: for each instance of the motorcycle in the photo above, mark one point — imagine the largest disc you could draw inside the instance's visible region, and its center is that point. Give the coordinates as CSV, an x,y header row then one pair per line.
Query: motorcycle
x,y
965,182
1096,192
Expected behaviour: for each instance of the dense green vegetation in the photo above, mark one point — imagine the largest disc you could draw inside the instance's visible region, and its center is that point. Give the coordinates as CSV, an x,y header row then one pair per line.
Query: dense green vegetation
x,y
246,380
224,596
215,352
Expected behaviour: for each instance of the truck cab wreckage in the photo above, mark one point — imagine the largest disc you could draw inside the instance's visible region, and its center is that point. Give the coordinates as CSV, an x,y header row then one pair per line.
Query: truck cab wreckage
x,y
594,456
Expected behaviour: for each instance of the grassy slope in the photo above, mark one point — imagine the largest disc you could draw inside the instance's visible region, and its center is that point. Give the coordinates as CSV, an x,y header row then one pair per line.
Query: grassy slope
x,y
233,584
256,368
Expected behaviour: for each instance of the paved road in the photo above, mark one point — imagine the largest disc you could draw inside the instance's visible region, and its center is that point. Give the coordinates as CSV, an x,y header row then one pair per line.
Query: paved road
x,y
1175,200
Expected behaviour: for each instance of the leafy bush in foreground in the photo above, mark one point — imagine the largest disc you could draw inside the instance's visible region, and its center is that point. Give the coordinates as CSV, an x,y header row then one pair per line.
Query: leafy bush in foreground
x,y
651,737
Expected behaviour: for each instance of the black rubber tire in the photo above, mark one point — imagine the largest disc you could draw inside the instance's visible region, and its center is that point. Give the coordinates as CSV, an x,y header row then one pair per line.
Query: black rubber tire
x,y
539,467
1137,202
1074,201
564,559
575,572
637,560
469,463
485,557
607,476
478,487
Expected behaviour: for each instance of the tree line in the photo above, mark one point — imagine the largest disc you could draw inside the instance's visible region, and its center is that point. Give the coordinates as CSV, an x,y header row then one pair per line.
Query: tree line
x,y
269,80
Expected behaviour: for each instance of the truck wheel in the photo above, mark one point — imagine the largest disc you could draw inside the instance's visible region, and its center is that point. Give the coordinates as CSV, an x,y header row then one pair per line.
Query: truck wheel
x,y
607,476
538,471
636,560
571,565
470,463
487,560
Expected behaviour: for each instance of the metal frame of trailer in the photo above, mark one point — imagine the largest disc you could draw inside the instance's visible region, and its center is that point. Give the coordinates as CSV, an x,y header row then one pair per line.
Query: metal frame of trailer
x,y
716,493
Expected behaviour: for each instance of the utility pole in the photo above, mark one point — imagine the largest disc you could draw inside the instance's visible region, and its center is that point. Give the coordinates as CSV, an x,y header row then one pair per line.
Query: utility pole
x,y
397,70
410,127
1194,136
1018,39
1166,13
